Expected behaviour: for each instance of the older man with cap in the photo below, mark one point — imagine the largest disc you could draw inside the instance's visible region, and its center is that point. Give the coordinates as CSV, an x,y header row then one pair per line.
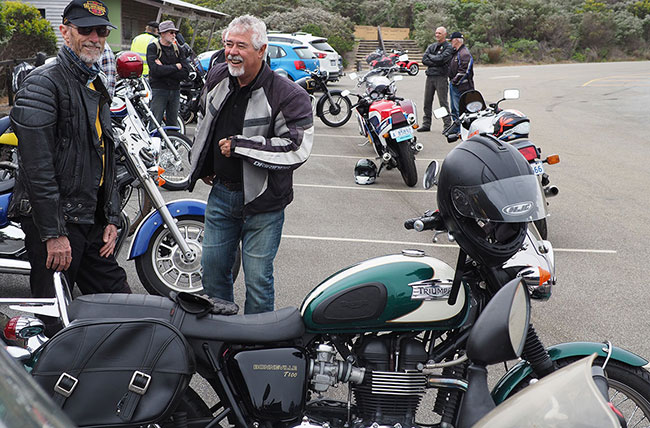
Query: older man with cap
x,y
461,73
141,42
65,195
168,66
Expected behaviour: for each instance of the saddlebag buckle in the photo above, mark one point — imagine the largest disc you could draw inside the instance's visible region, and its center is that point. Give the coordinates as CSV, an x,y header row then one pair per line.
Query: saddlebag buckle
x,y
66,384
139,382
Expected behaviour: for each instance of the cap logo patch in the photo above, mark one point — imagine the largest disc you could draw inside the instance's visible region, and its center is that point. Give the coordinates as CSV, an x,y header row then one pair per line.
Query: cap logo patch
x,y
95,7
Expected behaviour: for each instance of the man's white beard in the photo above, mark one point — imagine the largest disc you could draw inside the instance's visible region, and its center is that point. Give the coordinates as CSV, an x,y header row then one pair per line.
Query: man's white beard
x,y
236,71
89,58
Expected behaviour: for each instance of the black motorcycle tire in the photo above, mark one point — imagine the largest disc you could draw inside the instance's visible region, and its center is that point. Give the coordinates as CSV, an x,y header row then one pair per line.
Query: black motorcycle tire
x,y
336,114
629,388
542,228
413,70
176,178
406,163
161,268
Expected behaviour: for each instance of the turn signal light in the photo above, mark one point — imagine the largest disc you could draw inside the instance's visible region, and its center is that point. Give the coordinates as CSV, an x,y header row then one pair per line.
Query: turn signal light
x,y
416,126
544,276
161,181
385,135
553,159
10,329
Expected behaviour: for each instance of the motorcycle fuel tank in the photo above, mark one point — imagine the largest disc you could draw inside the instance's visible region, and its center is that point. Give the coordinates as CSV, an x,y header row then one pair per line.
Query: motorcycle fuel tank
x,y
398,292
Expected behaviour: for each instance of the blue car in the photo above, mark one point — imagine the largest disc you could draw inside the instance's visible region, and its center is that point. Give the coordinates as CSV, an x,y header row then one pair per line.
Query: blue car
x,y
291,61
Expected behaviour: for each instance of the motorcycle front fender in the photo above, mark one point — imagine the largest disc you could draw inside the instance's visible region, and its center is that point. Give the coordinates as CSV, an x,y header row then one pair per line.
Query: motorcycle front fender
x,y
155,132
518,373
154,221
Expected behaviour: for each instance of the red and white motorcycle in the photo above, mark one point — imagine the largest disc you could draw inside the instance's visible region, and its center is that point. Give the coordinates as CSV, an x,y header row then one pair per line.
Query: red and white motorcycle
x,y
388,122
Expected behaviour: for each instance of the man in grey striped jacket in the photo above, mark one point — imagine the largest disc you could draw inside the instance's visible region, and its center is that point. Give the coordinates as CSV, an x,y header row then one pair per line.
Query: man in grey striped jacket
x,y
256,128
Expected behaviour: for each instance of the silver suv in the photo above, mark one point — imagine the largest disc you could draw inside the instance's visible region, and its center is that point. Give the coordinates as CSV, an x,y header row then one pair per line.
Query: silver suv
x,y
329,60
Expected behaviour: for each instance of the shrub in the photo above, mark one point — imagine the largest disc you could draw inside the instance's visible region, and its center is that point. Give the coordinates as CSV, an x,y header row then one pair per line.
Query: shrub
x,y
494,54
30,33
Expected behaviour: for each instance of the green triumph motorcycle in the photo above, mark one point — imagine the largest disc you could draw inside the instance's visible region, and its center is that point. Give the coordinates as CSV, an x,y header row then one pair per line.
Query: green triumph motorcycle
x,y
389,329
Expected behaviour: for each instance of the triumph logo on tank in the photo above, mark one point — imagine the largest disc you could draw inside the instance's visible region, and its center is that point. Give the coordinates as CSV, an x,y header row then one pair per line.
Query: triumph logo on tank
x,y
518,208
430,289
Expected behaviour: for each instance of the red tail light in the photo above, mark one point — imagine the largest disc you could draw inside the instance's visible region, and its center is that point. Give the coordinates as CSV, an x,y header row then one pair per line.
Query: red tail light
x,y
529,152
397,117
10,328
321,55
300,65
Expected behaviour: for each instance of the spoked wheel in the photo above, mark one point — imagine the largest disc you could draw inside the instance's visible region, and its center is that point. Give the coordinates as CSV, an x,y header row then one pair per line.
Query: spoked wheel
x,y
177,171
164,268
334,113
406,163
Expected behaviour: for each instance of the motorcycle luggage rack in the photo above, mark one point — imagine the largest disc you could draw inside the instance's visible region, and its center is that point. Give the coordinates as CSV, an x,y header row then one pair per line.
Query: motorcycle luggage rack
x,y
49,306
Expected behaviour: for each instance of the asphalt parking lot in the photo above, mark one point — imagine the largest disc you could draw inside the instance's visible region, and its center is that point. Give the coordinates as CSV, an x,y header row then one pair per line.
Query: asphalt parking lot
x,y
595,116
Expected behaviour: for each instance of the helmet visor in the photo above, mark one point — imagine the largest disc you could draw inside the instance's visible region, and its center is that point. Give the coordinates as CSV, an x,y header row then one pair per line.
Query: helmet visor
x,y
510,200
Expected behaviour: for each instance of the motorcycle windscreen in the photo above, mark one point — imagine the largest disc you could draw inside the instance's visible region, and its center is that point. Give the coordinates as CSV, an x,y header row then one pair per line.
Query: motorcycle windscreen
x,y
565,398
509,200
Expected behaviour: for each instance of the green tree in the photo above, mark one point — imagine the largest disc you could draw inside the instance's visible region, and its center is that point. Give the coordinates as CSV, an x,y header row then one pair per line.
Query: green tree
x,y
30,33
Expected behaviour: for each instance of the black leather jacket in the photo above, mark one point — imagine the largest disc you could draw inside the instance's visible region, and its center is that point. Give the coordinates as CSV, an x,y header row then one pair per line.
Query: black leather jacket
x,y
60,156
437,57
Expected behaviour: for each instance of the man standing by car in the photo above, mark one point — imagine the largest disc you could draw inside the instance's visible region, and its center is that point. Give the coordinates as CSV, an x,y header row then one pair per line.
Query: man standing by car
x,y
141,42
65,196
436,58
257,127
167,68
461,74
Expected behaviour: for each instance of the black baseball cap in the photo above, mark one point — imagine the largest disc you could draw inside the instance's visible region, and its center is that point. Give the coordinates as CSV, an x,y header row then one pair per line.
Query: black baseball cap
x,y
86,13
152,24
456,35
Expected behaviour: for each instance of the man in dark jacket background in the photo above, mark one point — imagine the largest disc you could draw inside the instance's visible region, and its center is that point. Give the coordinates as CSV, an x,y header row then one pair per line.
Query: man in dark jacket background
x,y
65,195
255,127
461,73
167,68
436,58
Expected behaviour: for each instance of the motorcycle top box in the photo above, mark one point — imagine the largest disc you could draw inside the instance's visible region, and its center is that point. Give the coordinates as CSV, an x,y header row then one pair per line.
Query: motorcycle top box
x,y
398,292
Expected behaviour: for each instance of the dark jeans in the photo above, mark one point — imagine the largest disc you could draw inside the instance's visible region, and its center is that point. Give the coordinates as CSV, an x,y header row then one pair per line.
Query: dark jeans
x,y
435,84
454,95
165,103
91,272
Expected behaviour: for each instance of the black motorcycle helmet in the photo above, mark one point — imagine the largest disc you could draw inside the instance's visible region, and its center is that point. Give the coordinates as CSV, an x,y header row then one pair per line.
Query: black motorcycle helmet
x,y
487,194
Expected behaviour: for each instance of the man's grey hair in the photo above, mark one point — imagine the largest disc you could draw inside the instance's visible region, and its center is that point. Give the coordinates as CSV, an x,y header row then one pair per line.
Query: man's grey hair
x,y
249,24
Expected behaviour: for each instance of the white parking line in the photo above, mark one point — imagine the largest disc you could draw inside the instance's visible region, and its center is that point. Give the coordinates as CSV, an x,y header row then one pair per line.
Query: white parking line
x,y
514,76
376,189
338,136
415,244
357,157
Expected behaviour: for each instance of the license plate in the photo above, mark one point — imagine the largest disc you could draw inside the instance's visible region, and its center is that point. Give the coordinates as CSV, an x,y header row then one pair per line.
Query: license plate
x,y
538,168
401,134
333,62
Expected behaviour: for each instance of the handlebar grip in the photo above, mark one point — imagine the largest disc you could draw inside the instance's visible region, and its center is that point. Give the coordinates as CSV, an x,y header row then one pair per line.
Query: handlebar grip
x,y
408,224
427,223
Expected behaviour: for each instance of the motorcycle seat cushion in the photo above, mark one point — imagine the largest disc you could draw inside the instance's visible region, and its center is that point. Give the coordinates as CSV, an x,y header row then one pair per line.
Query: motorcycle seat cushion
x,y
280,325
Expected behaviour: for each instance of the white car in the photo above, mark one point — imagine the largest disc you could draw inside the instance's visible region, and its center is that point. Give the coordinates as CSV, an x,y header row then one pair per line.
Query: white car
x,y
328,58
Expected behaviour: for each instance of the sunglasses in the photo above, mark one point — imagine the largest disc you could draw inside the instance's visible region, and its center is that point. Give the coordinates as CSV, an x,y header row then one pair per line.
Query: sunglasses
x,y
102,31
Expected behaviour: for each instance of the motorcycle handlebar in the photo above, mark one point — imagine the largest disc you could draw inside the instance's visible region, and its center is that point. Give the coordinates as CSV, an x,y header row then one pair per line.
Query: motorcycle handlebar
x,y
426,222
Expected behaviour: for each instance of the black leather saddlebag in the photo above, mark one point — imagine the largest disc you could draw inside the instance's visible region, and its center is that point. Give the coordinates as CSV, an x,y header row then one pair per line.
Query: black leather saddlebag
x,y
110,372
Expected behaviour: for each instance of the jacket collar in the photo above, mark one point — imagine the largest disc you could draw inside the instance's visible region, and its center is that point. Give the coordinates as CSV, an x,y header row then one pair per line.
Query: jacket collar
x,y
79,70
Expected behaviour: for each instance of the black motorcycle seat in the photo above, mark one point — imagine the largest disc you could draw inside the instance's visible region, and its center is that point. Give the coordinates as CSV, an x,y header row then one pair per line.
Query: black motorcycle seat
x,y
281,325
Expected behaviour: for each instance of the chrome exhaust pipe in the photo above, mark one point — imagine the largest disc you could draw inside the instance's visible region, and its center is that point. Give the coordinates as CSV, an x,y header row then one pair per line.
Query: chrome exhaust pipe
x,y
20,267
386,157
550,191
418,147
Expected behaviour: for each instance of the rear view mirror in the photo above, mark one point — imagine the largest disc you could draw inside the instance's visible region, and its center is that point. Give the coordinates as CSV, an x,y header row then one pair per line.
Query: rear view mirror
x,y
440,112
431,175
397,78
511,94
345,93
353,76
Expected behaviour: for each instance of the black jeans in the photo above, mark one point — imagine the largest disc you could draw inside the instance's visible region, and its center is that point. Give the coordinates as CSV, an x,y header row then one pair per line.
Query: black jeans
x,y
91,272
435,84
